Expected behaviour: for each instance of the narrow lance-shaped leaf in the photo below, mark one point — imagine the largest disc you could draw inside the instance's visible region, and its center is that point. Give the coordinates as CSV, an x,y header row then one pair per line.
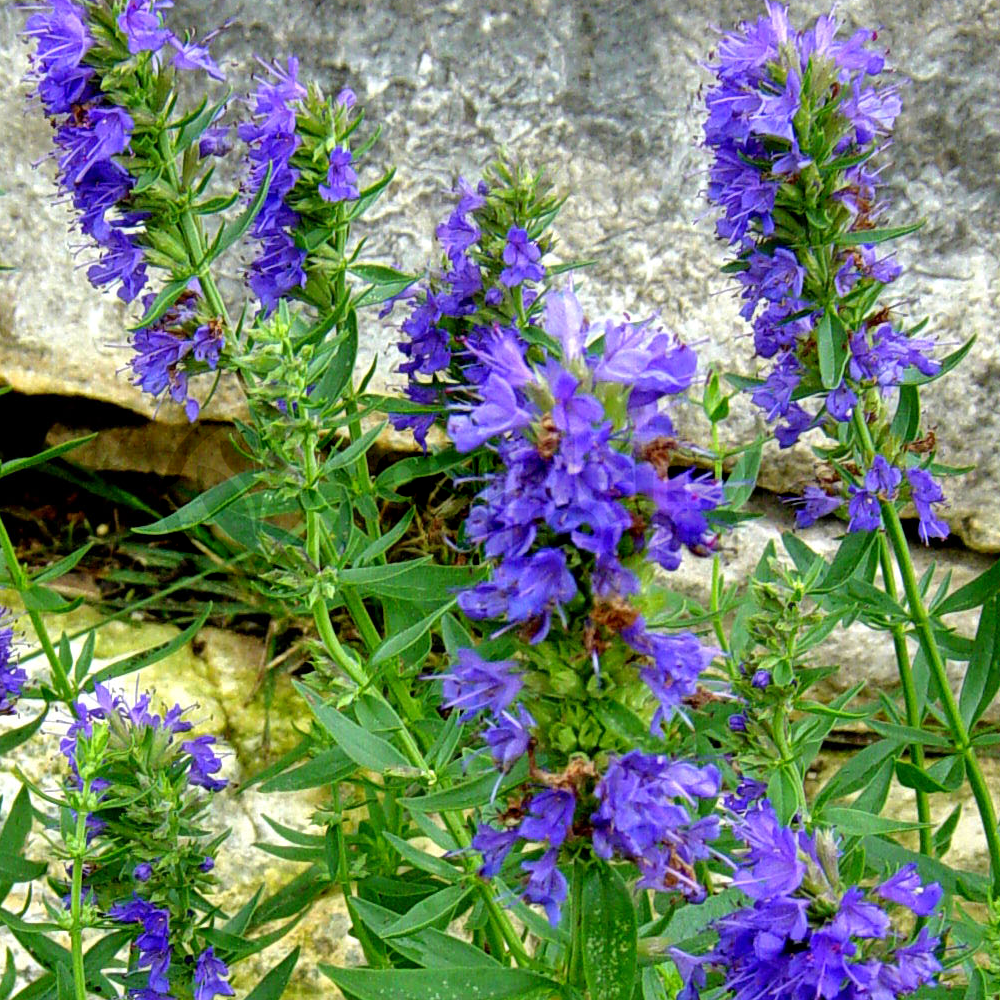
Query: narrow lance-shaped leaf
x,y
364,748
609,937
203,507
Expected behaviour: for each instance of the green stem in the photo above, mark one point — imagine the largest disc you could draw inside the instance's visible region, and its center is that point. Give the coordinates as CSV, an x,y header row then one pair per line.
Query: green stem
x,y
928,643
76,901
715,599
191,231
778,723
20,581
914,717
953,715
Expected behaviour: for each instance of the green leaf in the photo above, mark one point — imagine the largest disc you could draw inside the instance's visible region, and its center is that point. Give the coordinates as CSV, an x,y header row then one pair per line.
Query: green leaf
x,y
416,467
831,346
384,542
421,859
273,984
43,599
977,986
359,576
196,125
982,678
204,507
364,748
62,566
233,231
874,236
913,376
609,939
911,776
434,949
9,977
782,790
341,367
379,274
906,421
15,737
395,404
850,556
435,908
326,768
909,734
20,464
455,635
467,794
442,984
743,479
17,869
137,661
974,594
944,833
167,296
353,451
855,822
15,832
397,644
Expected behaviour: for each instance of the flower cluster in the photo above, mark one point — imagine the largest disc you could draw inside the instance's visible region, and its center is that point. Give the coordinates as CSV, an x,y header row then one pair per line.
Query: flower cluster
x,y
153,944
134,769
642,809
487,282
141,22
176,345
584,450
794,123
90,132
12,677
807,935
93,130
272,140
154,953
129,723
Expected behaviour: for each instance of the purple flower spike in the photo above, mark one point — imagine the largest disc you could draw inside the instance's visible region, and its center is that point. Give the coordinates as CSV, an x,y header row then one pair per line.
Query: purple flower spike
x,y
204,763
142,25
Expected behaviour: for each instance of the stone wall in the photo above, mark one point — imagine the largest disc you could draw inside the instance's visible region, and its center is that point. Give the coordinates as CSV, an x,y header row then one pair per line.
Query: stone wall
x,y
608,96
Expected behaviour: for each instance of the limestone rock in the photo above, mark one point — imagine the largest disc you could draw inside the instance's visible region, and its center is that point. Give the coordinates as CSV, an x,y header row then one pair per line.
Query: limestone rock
x,y
608,97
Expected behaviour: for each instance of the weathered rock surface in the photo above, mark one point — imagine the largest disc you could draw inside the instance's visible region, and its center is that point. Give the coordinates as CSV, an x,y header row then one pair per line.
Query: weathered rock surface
x,y
607,96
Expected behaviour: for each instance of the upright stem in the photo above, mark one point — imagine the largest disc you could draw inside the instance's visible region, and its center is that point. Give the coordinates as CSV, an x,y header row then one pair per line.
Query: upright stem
x,y
191,231
953,715
914,717
76,901
20,580
928,643
715,597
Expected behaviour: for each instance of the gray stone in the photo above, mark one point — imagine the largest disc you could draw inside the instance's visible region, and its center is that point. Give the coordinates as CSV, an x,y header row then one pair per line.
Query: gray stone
x,y
608,97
